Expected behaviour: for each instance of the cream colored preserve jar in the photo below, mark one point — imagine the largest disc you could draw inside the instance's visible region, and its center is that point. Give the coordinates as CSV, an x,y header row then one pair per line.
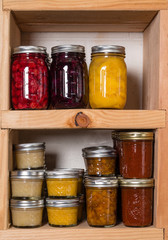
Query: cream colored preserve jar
x,y
29,155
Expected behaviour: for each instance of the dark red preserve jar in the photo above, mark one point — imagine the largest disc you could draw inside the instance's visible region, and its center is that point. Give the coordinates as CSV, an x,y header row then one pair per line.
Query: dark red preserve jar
x,y
69,77
137,201
30,82
135,154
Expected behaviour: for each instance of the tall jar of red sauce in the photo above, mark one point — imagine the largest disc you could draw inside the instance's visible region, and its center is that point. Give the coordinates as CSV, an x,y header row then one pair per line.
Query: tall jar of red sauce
x,y
135,154
137,201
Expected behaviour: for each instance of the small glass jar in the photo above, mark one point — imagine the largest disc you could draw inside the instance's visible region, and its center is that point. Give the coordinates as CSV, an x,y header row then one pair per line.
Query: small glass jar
x,y
62,212
137,201
101,201
136,154
62,184
108,77
69,77
29,78
81,208
29,155
27,184
100,161
27,214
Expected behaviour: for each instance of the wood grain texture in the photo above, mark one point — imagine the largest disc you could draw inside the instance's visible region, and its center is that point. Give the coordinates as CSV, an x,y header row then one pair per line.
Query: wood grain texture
x,y
83,232
85,5
4,179
110,119
68,21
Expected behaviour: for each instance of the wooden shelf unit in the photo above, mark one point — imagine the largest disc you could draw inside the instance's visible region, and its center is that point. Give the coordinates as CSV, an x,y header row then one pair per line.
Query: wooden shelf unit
x,y
149,17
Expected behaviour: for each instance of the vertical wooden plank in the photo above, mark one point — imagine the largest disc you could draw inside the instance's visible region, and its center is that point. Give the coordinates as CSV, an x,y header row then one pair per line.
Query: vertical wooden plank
x,y
4,179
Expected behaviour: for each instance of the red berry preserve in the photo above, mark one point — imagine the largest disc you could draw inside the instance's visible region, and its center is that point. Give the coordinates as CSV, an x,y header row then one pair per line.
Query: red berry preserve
x,y
69,77
29,78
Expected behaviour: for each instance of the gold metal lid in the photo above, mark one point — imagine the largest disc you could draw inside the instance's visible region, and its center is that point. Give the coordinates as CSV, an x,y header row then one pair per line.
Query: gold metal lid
x,y
147,182
135,135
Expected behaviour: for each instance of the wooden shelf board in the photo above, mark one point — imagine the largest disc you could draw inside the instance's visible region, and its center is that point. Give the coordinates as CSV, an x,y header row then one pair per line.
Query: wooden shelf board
x,y
84,5
99,119
68,21
83,232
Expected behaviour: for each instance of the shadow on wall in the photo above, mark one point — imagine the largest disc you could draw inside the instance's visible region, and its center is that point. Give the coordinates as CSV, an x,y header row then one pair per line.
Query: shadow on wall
x,y
134,92
51,161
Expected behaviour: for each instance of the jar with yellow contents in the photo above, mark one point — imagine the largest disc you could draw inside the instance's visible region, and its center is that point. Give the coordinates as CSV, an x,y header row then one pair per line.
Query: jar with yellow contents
x,y
62,212
108,77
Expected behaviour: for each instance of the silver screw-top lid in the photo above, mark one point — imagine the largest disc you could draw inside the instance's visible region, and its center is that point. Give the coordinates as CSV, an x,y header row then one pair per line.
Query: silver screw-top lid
x,y
27,174
29,146
61,173
68,48
134,135
79,171
147,182
30,49
101,181
101,151
62,202
108,49
26,203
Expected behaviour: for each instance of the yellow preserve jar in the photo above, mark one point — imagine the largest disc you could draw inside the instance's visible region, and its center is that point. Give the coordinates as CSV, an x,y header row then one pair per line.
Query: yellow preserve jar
x,y
62,212
61,183
108,77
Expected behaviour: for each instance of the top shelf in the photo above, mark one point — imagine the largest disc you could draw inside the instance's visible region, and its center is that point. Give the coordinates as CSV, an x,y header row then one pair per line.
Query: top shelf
x,y
84,5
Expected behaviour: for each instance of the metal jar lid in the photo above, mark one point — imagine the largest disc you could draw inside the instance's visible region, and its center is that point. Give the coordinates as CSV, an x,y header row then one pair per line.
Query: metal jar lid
x,y
101,151
27,174
68,48
60,173
79,171
101,181
30,49
108,49
136,182
62,202
135,135
29,146
26,203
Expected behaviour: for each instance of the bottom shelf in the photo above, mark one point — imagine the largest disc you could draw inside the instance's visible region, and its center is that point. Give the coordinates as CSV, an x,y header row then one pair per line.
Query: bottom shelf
x,y
83,232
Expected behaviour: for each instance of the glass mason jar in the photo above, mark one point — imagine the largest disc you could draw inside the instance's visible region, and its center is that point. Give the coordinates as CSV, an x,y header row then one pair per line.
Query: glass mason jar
x,y
29,78
27,184
62,184
69,77
137,201
136,154
27,214
107,77
100,161
81,208
62,212
101,201
29,155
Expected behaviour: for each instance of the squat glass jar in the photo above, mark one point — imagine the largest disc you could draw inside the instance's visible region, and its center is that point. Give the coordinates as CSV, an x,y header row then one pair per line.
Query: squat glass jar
x,y
69,77
136,154
29,78
137,201
108,77
27,213
101,201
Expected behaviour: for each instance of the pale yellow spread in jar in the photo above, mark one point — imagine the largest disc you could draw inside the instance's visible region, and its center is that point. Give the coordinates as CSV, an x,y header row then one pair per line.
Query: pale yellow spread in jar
x,y
107,81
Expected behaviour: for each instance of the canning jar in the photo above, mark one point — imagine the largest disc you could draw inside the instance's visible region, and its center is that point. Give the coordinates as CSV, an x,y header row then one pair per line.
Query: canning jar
x,y
62,212
29,155
137,201
81,208
101,201
61,183
100,161
136,154
27,184
29,78
26,213
108,77
69,77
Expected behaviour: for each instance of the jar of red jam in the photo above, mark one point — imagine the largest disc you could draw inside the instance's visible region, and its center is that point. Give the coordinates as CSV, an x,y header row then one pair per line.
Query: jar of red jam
x,y
69,77
135,154
137,201
29,78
